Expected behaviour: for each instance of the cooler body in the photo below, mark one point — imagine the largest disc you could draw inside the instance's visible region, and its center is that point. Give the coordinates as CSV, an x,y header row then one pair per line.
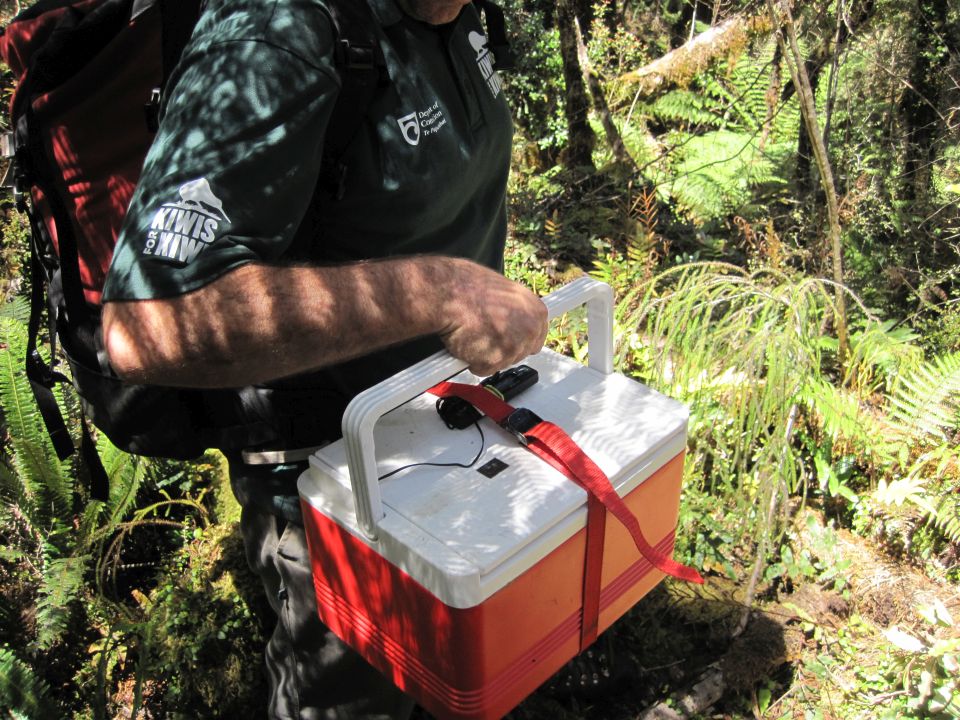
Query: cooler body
x,y
470,596
480,662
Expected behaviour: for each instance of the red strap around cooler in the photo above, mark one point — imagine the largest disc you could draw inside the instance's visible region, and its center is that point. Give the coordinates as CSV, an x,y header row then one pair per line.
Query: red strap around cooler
x,y
554,446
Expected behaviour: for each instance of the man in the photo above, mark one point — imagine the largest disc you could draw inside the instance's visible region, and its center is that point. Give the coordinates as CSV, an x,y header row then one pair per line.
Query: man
x,y
233,272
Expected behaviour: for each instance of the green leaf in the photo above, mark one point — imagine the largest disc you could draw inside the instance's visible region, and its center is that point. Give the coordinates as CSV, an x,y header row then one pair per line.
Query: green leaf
x,y
763,699
903,640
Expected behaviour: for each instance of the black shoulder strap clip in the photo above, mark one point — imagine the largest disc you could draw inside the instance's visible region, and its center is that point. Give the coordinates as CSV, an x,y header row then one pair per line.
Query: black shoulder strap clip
x,y
497,34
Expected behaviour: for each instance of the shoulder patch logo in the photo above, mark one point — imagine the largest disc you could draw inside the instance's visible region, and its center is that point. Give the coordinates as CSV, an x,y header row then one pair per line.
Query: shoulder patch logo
x,y
485,61
181,230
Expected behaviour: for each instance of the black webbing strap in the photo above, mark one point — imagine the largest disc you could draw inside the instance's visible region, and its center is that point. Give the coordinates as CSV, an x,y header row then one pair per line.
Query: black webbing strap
x,y
177,20
496,34
363,73
42,378
99,480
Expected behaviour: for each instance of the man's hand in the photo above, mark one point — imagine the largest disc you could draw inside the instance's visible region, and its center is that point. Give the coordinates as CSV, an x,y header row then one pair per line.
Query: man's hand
x,y
492,322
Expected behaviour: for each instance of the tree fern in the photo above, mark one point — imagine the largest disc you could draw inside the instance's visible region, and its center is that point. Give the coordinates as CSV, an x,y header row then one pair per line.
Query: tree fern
x,y
692,109
728,136
715,174
22,693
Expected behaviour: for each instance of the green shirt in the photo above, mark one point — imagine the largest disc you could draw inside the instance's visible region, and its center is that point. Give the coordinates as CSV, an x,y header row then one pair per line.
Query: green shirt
x,y
230,177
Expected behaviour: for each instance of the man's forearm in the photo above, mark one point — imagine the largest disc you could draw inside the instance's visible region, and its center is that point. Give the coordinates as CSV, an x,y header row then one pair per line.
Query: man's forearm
x,y
259,322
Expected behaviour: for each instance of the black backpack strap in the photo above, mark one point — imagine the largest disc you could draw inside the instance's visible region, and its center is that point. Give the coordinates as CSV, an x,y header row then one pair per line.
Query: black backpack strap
x,y
39,373
177,20
496,34
42,378
363,75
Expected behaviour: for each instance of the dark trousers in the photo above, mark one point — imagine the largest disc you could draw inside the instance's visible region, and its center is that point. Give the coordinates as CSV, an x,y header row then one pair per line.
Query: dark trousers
x,y
312,674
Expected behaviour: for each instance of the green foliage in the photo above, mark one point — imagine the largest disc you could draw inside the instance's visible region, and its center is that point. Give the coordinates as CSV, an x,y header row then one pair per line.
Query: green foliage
x,y
14,249
925,664
715,174
733,345
535,88
200,617
926,401
23,695
725,144
44,486
819,561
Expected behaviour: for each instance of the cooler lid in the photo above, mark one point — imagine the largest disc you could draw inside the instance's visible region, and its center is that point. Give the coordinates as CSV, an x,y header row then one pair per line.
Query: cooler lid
x,y
493,518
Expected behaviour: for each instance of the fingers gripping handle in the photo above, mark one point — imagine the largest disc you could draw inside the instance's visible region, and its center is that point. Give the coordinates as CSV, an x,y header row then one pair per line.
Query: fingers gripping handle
x,y
366,408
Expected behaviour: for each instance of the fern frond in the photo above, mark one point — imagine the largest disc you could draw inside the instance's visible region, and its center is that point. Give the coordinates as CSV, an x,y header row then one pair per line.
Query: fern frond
x,y
61,582
44,481
946,517
29,456
125,473
716,173
18,310
926,402
22,693
881,350
687,107
845,418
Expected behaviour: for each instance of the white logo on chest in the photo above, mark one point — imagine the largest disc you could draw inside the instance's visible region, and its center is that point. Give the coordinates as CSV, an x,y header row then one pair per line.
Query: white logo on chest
x,y
422,123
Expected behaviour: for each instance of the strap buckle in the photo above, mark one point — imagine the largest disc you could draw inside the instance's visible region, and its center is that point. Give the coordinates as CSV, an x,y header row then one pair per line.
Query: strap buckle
x,y
363,58
520,422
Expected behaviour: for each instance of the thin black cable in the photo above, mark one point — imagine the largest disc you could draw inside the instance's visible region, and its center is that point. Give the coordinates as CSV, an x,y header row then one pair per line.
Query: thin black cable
x,y
431,464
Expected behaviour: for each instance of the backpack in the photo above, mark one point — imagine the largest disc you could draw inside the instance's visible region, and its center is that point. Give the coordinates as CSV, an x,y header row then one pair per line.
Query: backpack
x,y
90,78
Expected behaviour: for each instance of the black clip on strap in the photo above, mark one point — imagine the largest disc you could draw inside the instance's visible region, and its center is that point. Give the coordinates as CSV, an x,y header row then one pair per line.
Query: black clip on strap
x,y
497,35
520,422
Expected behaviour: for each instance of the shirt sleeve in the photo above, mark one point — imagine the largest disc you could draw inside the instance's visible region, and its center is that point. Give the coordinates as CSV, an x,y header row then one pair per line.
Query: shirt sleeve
x,y
234,165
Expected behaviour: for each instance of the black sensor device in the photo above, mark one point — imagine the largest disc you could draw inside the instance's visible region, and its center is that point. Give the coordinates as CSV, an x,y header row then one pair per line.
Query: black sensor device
x,y
459,414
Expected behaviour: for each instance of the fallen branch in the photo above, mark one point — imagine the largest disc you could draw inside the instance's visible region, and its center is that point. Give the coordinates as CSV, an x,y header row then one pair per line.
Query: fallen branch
x,y
682,64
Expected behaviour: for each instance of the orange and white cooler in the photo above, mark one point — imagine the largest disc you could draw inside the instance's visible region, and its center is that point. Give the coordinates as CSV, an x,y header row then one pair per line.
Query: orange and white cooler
x,y
465,586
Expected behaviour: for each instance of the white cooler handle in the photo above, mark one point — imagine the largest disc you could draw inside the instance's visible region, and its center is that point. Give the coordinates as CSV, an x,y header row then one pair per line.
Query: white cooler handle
x,y
366,408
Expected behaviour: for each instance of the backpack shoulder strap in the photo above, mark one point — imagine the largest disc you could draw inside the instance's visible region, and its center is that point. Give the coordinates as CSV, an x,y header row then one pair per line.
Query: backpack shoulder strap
x,y
496,34
363,74
177,20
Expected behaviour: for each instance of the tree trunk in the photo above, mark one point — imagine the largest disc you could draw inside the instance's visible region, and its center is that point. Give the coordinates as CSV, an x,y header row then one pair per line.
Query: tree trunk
x,y
808,110
804,170
580,137
600,106
920,102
